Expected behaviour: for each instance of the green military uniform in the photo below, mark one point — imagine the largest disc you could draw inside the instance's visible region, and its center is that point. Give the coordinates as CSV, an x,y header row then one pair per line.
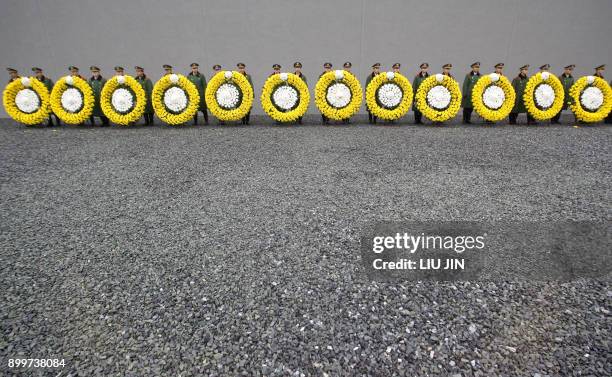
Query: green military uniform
x,y
96,85
303,77
199,81
147,86
468,85
567,80
48,83
418,79
519,83
609,117
327,66
375,67
247,117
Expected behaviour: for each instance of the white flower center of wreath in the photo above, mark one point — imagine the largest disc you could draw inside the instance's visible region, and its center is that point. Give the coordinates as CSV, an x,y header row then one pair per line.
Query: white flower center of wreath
x,y
592,98
285,97
389,95
493,97
544,96
439,97
227,96
72,100
122,100
338,95
27,100
175,99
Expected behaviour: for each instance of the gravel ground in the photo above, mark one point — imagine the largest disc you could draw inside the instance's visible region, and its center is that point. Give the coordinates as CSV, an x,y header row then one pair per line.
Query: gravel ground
x,y
234,250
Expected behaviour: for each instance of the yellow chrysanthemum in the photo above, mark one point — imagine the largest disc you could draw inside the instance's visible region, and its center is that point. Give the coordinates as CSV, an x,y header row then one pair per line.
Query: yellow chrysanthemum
x,y
66,90
592,99
128,103
293,97
493,97
398,106
229,95
26,100
443,86
175,99
343,90
543,84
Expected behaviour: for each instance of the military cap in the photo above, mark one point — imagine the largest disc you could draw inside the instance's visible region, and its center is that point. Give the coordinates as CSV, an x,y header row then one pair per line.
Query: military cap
x,y
276,66
545,66
327,65
475,64
347,65
118,68
12,70
396,65
571,66
166,66
376,65
603,66
94,68
192,65
73,67
424,65
447,66
297,65
526,66
36,69
217,66
139,68
240,65
499,65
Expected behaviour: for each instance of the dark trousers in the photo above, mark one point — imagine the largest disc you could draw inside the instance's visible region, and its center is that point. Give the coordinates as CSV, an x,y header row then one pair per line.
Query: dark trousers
x,y
467,115
371,118
324,119
57,120
514,116
102,117
148,117
299,120
418,117
195,118
246,118
609,118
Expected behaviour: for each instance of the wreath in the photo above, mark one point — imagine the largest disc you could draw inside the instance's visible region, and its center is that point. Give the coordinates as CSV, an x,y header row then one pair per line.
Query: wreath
x,y
285,97
493,97
229,95
175,99
438,98
543,95
26,100
123,100
389,95
72,100
338,95
592,99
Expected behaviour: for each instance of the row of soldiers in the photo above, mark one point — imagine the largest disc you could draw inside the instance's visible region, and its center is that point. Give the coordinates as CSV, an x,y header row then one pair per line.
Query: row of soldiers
x,y
519,83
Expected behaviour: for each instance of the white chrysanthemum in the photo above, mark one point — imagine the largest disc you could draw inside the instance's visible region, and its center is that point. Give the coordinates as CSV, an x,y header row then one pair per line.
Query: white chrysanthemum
x,y
72,100
592,98
493,97
27,101
175,99
439,97
390,95
285,97
338,95
122,100
227,96
544,96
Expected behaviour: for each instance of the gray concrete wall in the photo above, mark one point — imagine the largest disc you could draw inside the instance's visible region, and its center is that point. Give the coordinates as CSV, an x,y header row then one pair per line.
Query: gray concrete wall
x,y
55,34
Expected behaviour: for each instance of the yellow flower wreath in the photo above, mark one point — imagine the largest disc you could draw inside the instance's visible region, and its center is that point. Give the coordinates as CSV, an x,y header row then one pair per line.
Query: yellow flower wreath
x,y
38,114
321,90
577,90
188,88
84,112
431,113
490,114
279,80
245,96
529,97
380,110
135,109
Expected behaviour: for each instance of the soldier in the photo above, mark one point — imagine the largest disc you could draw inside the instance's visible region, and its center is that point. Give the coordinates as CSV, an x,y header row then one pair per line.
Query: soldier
x,y
276,69
446,70
167,69
347,66
468,85
499,69
147,86
567,80
519,83
74,71
216,69
544,68
396,68
418,79
599,71
199,81
242,69
326,68
96,81
13,74
375,72
49,84
298,72
119,71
